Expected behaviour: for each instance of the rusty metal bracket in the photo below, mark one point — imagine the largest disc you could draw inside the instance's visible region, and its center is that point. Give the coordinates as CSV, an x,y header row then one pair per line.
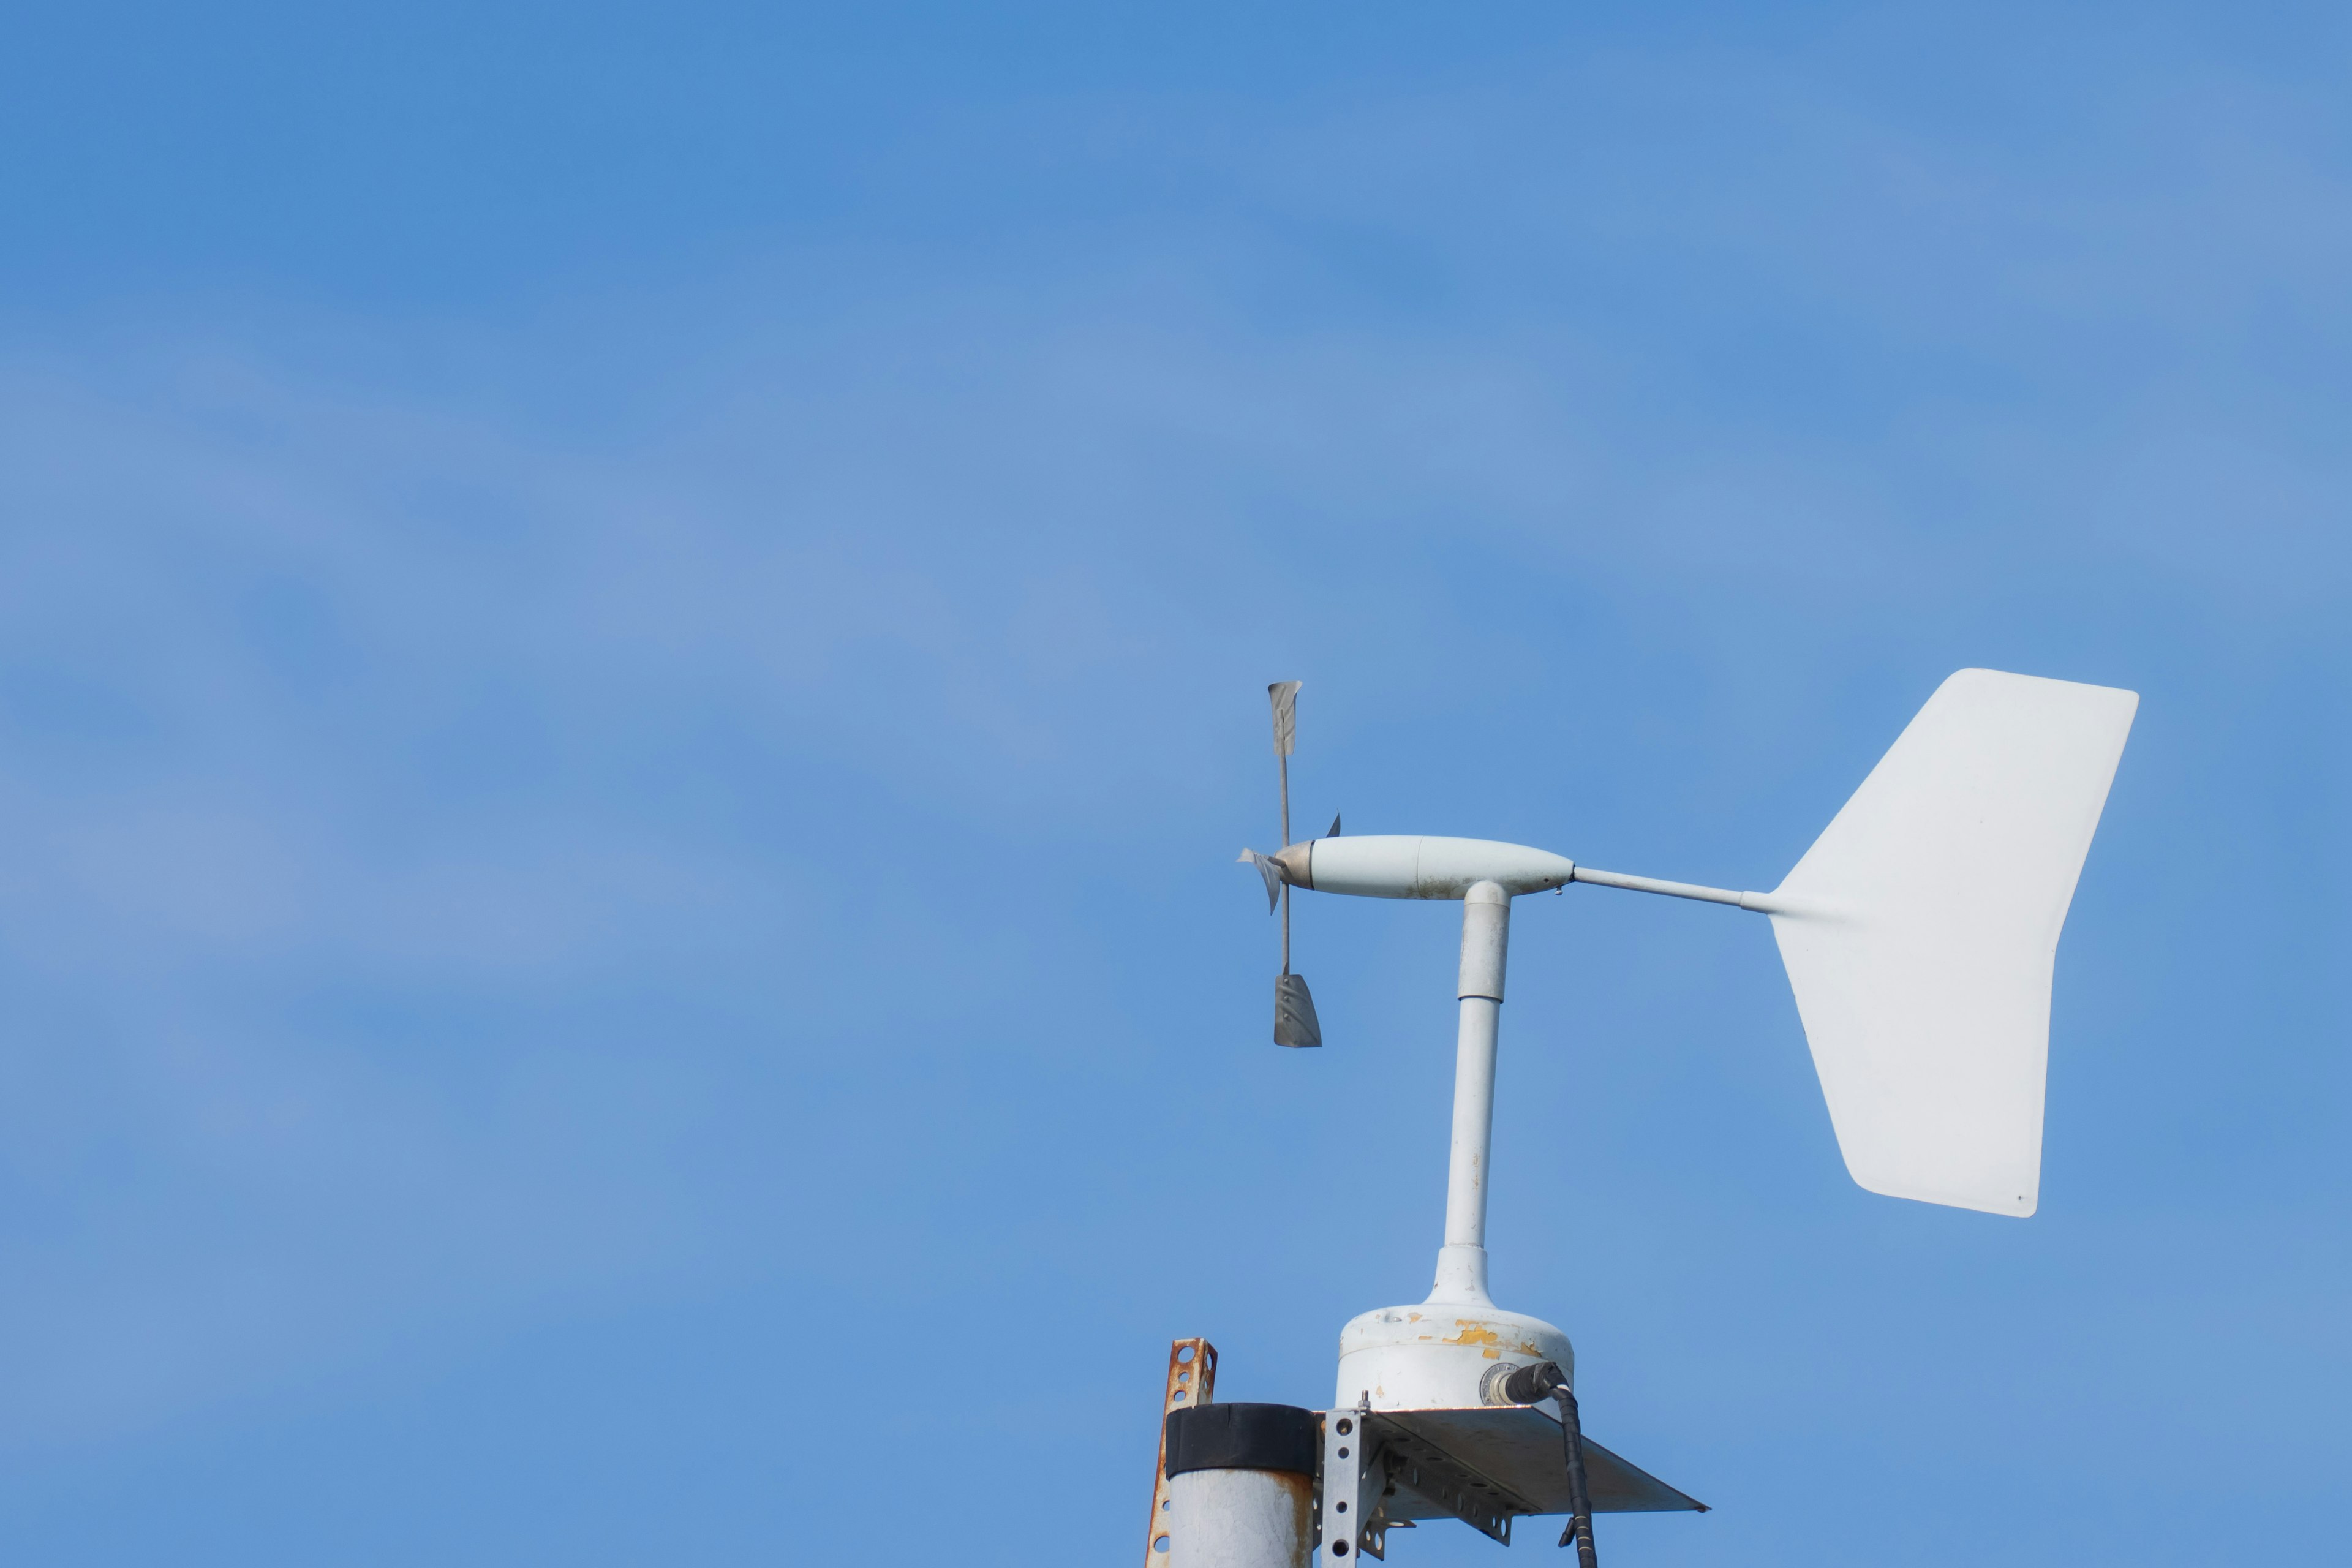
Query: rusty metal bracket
x,y
1191,1380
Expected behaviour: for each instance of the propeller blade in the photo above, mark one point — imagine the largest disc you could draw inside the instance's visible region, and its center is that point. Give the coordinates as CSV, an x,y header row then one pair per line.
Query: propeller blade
x,y
1285,694
1295,1023
1294,1007
1335,826
1270,871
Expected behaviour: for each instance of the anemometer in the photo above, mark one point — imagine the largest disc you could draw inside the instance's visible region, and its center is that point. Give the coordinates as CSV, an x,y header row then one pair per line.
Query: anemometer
x,y
1919,932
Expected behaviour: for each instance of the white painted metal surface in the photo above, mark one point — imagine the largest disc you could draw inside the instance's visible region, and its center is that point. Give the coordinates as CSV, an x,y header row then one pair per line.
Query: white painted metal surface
x,y
1486,939
1240,1519
1379,866
1485,942
1435,1355
1920,933
1593,877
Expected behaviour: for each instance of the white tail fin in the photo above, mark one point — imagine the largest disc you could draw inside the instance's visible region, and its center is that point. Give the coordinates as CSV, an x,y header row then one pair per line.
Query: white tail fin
x,y
1921,929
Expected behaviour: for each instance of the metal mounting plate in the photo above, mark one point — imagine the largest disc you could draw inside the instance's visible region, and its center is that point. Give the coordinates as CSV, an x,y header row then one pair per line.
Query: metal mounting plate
x,y
1513,1453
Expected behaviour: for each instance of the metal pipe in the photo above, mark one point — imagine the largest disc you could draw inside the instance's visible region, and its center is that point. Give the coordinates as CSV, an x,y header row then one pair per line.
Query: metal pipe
x,y
1283,758
1486,943
1241,1487
1670,889
1239,1519
1474,1122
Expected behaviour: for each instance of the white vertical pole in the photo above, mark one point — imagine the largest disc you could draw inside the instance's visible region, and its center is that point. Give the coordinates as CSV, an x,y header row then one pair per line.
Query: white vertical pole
x,y
1486,942
1240,1519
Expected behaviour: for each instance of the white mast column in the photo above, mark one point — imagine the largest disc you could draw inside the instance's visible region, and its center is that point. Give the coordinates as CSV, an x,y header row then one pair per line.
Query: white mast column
x,y
1486,942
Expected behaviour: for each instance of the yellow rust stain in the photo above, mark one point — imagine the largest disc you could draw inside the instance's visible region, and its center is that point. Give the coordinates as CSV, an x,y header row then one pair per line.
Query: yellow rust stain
x,y
1474,1333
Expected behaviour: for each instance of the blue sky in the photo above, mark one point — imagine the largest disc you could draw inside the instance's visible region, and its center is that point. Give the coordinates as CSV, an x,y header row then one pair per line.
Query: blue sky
x,y
632,647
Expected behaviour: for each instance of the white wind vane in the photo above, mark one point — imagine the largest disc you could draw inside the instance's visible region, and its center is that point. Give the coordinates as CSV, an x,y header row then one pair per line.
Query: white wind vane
x,y
1920,936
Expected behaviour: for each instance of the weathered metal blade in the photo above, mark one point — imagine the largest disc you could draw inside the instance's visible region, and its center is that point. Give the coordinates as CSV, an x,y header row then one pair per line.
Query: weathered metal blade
x,y
1268,870
1285,694
1295,1023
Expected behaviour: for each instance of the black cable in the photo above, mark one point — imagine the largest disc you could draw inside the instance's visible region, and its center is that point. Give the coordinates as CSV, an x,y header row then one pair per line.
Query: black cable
x,y
1579,1502
1532,1386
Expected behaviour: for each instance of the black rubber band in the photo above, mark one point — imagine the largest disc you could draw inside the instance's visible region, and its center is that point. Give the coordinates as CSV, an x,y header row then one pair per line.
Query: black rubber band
x,y
1243,1437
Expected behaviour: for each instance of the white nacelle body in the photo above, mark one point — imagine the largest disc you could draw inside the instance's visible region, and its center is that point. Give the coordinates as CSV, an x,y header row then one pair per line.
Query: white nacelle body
x,y
1399,866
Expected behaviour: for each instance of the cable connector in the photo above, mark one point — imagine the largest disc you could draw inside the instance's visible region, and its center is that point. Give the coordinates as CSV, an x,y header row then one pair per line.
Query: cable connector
x,y
1533,1385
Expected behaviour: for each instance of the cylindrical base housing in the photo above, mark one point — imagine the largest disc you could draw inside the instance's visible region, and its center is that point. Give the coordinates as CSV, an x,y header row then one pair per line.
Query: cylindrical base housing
x,y
1437,1356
